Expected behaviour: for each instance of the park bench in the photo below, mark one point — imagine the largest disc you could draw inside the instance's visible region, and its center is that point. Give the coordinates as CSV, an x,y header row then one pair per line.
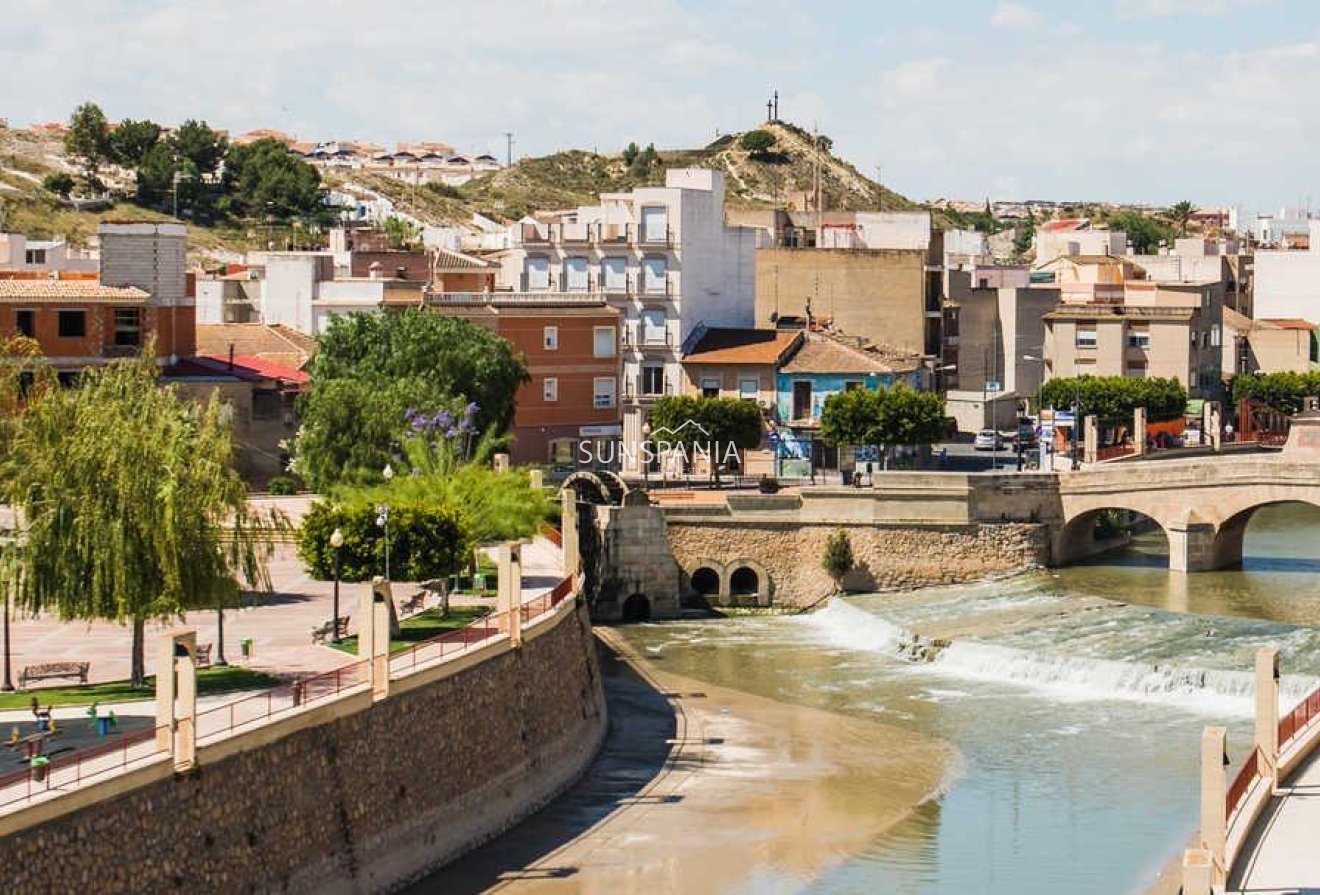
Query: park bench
x,y
320,633
203,654
51,670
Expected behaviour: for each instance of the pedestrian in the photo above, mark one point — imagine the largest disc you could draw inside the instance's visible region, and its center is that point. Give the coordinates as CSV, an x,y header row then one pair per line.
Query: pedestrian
x,y
1228,432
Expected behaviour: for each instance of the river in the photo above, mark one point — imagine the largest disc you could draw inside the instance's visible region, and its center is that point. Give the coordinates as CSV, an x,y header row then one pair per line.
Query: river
x,y
1076,698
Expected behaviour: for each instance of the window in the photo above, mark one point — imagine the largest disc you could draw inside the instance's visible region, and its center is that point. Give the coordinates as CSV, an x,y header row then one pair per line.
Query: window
x,y
614,274
852,385
801,400
561,451
602,390
602,341
1137,371
1215,337
575,274
550,338
1086,338
654,331
750,389
35,256
72,324
655,223
128,327
653,379
655,275
710,387
1139,339
25,321
551,390
537,273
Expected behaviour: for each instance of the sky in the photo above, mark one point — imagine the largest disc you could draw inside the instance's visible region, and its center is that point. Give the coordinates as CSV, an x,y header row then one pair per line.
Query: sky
x,y
1120,100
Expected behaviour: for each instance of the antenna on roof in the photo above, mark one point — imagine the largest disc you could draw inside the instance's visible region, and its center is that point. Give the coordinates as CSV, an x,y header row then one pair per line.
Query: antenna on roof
x,y
508,149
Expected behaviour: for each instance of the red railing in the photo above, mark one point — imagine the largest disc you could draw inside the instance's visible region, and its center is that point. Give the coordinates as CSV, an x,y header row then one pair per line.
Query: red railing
x,y
1114,451
450,642
547,601
278,700
1299,717
1246,776
1271,439
554,536
68,771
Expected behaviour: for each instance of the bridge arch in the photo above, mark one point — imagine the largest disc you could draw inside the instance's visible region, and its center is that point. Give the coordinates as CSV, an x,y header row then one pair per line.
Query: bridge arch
x,y
747,582
1231,533
1083,534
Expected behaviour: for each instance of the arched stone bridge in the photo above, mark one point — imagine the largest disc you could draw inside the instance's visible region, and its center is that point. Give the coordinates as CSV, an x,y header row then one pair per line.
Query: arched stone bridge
x,y
1203,505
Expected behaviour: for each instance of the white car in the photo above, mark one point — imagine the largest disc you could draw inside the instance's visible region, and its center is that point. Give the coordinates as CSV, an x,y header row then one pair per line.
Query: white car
x,y
987,440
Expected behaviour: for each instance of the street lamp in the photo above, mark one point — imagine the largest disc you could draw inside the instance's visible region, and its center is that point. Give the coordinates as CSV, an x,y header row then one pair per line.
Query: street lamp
x,y
8,685
336,541
383,519
646,455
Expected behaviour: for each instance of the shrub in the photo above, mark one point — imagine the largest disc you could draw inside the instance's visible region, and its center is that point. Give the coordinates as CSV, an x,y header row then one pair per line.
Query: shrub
x,y
283,485
757,141
838,560
425,542
59,183
768,485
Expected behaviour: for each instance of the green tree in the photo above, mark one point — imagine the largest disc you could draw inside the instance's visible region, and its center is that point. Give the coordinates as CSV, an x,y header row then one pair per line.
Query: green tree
x,y
885,416
196,143
1111,399
59,183
129,143
427,540
838,559
719,427
1282,391
87,140
132,509
402,234
757,141
1180,215
630,153
372,369
1026,236
264,178
1144,232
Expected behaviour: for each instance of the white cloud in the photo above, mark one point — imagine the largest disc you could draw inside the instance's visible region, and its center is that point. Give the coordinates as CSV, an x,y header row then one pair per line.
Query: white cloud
x,y
1163,9
913,79
1014,16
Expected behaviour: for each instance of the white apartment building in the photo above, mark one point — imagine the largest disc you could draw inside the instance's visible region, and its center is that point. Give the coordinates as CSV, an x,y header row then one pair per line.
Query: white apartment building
x,y
17,252
1052,244
1287,283
662,256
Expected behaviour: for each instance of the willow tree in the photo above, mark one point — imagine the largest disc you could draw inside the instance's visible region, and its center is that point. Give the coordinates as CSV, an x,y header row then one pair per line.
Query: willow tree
x,y
130,504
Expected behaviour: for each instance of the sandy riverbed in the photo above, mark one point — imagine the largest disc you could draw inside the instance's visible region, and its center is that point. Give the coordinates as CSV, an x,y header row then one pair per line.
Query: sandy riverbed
x,y
741,788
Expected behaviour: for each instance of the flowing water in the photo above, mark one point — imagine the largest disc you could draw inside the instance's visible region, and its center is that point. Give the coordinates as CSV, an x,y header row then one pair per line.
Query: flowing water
x,y
1076,697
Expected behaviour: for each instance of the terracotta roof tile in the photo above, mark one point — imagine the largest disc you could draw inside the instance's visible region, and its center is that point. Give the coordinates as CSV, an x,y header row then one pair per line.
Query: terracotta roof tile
x,y
825,355
69,290
742,346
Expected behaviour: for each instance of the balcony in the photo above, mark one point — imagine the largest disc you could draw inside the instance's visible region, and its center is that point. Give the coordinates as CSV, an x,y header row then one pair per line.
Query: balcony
x,y
515,299
531,234
654,236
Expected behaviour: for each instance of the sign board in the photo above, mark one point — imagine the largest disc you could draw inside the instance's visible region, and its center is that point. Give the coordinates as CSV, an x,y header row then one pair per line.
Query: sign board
x,y
1064,418
992,386
599,431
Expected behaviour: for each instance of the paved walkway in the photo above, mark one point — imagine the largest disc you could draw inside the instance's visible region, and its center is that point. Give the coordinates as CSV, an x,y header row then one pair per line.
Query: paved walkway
x,y
1283,855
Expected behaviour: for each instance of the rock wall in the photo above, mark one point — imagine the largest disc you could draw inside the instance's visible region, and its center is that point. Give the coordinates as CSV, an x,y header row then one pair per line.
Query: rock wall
x,y
365,799
888,556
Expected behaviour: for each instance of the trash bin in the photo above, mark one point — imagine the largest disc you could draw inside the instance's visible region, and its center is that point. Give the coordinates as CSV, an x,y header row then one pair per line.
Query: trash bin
x,y
102,726
245,647
847,476
39,768
479,581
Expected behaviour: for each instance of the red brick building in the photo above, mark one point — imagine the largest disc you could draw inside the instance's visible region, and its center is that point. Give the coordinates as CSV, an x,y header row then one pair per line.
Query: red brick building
x,y
572,352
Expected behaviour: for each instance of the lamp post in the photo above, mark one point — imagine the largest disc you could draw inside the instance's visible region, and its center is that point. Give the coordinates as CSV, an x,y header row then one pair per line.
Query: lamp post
x,y
646,455
8,684
336,541
383,519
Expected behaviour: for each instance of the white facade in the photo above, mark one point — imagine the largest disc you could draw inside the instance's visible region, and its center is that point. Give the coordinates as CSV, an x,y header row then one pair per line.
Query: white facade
x,y
894,229
17,252
1287,285
661,255
1051,245
965,243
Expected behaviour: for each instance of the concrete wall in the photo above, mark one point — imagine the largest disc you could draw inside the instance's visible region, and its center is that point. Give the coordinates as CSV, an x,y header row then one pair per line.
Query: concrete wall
x,y
1287,285
344,797
876,294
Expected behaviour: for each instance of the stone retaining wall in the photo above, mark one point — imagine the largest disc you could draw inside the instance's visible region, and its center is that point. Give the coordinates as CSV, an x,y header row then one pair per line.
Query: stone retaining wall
x,y
358,798
888,556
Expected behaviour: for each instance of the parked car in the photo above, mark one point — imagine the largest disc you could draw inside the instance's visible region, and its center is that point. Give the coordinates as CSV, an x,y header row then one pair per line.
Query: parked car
x,y
987,440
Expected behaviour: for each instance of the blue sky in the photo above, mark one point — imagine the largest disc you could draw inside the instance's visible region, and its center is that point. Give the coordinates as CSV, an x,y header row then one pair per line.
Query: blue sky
x,y
1131,100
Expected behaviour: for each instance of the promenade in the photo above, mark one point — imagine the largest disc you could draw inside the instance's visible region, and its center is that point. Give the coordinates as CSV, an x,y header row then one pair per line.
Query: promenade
x,y
1283,854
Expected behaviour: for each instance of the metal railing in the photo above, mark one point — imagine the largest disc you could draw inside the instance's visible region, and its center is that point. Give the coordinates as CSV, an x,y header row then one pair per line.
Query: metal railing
x,y
438,647
1114,451
261,707
1242,782
1299,717
69,771
547,601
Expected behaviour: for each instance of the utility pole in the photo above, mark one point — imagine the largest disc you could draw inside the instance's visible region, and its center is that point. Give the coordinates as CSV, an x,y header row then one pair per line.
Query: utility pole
x,y
508,149
880,182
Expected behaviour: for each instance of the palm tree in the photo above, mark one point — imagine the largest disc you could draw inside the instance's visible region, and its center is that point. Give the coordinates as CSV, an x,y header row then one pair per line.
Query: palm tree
x,y
1180,215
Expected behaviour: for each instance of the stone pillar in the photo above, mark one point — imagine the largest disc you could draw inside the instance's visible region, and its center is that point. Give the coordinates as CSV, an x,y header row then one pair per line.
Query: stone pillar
x,y
631,459
536,479
568,530
374,635
1139,430
509,593
1213,425
176,697
1196,872
1191,544
1214,790
501,462
1090,439
1267,713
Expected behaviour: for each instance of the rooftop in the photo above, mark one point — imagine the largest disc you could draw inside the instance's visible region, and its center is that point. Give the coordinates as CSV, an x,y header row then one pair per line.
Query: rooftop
x,y
822,354
1288,323
69,290
742,346
272,343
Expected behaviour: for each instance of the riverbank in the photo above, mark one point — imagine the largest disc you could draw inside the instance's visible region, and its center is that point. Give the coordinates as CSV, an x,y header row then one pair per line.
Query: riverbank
x,y
705,789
